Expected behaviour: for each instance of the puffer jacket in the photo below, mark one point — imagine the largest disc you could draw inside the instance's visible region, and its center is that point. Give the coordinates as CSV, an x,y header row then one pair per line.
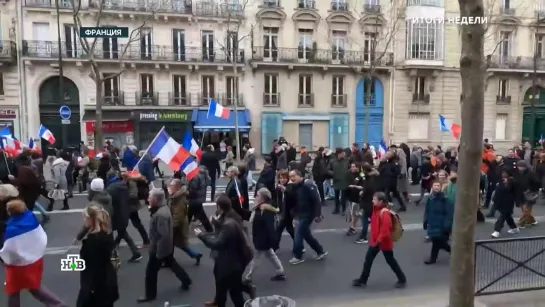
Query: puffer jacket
x,y
263,226
58,172
198,186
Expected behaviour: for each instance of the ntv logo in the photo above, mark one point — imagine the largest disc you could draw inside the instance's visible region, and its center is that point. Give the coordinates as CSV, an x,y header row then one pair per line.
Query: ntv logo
x,y
72,263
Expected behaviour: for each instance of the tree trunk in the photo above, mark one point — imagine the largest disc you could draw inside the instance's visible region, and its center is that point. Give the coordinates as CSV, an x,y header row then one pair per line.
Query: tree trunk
x,y
472,71
99,137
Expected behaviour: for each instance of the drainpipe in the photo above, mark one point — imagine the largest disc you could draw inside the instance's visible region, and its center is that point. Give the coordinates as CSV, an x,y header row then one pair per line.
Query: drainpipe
x,y
23,124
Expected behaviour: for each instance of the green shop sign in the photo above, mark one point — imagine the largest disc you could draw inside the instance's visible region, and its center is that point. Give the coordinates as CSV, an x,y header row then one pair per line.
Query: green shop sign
x,y
165,116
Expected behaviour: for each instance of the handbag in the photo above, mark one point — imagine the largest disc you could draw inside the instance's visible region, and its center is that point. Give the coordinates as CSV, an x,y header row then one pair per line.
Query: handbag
x,y
531,196
56,194
115,260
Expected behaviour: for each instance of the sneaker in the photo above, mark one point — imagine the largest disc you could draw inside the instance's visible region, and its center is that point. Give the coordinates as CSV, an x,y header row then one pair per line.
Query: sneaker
x,y
358,283
361,241
351,231
495,234
135,258
295,261
279,277
321,256
400,284
513,231
534,223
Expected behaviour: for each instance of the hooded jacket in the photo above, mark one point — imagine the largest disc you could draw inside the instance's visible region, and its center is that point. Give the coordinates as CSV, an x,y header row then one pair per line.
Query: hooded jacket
x,y
438,215
58,170
263,226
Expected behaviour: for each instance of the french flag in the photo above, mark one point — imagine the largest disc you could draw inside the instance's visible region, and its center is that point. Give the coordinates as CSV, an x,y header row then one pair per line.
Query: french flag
x,y
46,134
240,197
32,145
217,110
191,145
190,168
168,150
382,148
25,242
446,125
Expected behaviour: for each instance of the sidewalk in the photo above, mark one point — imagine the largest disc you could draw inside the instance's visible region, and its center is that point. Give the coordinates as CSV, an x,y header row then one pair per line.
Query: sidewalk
x,y
439,298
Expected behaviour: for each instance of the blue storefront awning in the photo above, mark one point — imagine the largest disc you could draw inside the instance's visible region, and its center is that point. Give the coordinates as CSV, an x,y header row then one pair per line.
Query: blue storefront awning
x,y
203,122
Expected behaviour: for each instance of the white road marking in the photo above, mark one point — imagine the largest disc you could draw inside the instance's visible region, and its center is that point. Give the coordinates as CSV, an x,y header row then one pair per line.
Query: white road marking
x,y
193,241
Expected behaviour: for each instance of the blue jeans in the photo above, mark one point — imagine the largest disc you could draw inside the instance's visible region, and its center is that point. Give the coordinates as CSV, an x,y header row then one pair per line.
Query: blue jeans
x,y
190,252
303,233
364,226
328,189
38,207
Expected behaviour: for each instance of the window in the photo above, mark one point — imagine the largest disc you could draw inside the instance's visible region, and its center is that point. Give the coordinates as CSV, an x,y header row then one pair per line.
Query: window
x,y
418,126
271,96
505,45
110,48
178,44
371,6
540,45
305,136
307,4
208,89
505,4
207,43
438,3
270,43
339,5
305,90
179,96
338,45
420,90
111,89
232,90
337,90
146,51
369,92
369,46
503,88
71,41
425,41
232,46
1,84
305,44
147,90
501,127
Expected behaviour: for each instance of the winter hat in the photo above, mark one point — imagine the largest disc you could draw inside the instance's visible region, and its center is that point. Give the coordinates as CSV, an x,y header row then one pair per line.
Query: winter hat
x,y
97,184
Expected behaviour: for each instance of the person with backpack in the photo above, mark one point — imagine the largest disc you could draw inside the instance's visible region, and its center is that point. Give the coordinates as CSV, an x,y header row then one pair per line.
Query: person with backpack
x,y
197,197
438,218
386,229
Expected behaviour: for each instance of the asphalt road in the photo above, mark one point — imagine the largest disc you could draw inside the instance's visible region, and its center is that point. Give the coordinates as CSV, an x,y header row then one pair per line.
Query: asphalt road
x,y
310,284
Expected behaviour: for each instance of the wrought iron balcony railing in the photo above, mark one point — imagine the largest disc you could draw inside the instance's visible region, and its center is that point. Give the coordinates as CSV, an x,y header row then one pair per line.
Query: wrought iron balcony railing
x,y
421,98
8,50
321,56
503,99
225,99
271,99
515,62
306,100
145,98
223,10
113,97
63,4
339,6
151,6
306,4
179,99
271,3
372,8
339,100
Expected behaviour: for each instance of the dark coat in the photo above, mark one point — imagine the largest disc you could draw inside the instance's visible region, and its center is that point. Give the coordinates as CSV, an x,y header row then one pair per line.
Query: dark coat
x,y
29,186
319,169
263,227
104,168
505,197
98,282
212,163
307,200
230,244
338,169
231,192
266,179
370,187
353,194
119,192
438,216
146,169
389,171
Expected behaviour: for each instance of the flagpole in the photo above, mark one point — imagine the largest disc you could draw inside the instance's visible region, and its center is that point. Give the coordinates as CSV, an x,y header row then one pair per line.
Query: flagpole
x,y
147,149
6,161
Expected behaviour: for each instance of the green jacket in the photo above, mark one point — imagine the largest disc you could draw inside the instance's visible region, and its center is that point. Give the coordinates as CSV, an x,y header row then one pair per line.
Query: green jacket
x,y
338,169
450,193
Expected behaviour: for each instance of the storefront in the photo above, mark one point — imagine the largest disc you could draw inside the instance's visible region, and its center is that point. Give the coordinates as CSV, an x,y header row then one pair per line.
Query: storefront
x,y
309,130
10,117
117,127
149,122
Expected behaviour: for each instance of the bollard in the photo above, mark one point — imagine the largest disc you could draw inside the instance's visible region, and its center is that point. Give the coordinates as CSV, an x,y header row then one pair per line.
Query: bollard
x,y
271,301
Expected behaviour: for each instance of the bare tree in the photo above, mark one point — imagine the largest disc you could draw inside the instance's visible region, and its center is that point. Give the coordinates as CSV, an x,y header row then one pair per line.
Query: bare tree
x,y
89,46
235,14
473,75
378,50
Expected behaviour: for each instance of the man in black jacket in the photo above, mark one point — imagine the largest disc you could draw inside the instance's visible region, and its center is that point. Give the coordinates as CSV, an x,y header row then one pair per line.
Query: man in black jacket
x,y
307,210
528,186
119,192
210,160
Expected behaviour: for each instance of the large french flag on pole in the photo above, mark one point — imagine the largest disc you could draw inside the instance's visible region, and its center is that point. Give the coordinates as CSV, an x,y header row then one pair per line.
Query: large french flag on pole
x,y
217,110
191,145
446,125
25,243
168,150
46,134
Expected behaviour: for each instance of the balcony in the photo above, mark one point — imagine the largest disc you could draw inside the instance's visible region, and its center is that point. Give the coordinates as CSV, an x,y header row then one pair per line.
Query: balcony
x,y
306,100
514,63
224,10
372,8
339,6
320,56
339,100
8,52
436,3
113,98
271,3
507,11
271,99
48,4
419,98
306,4
50,50
224,99
179,99
147,98
503,99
